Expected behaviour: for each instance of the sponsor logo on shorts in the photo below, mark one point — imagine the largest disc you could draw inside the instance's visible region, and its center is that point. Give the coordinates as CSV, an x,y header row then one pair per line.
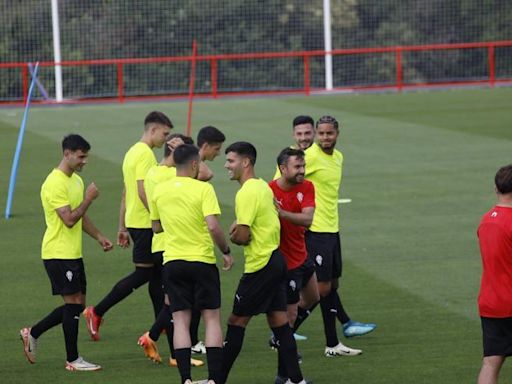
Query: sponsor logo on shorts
x,y
319,259
293,285
69,275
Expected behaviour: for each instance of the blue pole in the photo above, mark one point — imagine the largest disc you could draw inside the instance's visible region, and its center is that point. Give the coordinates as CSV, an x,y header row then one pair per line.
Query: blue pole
x,y
21,134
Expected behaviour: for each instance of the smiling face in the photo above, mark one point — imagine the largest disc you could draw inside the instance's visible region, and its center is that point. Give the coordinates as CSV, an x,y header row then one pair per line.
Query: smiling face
x,y
326,136
294,169
235,165
304,134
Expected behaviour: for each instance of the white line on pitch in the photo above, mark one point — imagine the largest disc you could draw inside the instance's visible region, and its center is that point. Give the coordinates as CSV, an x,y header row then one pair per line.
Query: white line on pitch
x,y
344,201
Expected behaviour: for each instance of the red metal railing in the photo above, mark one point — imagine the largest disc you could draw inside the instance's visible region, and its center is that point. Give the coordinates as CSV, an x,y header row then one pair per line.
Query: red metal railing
x,y
306,56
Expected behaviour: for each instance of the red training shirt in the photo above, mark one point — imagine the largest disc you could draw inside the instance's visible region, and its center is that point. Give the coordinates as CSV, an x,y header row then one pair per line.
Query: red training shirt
x,y
293,245
495,238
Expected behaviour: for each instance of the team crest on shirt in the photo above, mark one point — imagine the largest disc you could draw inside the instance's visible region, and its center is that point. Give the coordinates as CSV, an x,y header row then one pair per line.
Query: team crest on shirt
x,y
69,275
293,285
319,259
300,197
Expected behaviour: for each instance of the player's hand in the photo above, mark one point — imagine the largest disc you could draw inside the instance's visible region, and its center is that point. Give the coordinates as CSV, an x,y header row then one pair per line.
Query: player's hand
x,y
228,262
105,243
91,192
278,207
174,142
232,228
123,239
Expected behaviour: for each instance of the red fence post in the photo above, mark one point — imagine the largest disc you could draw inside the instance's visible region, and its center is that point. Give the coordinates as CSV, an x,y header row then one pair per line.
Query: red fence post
x,y
120,83
399,70
24,80
213,77
492,65
307,81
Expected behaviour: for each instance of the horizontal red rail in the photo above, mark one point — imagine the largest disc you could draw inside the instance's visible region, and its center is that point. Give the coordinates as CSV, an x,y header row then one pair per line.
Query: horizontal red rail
x,y
305,57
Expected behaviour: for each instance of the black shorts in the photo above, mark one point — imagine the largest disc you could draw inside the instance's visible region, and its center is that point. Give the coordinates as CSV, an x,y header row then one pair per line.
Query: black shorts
x,y
324,250
142,239
66,276
497,336
192,285
297,278
263,291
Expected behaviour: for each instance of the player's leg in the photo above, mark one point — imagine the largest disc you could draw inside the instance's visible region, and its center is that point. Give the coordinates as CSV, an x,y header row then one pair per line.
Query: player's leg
x,y
213,342
233,342
491,366
182,344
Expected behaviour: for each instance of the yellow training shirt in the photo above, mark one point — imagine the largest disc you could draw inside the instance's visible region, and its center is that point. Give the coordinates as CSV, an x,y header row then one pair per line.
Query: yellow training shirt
x,y
137,162
325,172
57,191
155,176
254,207
181,204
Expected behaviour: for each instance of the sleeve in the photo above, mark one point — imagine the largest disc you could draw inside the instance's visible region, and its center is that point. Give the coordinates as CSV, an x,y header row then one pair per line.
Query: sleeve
x,y
310,158
56,195
210,204
153,208
309,195
146,161
245,208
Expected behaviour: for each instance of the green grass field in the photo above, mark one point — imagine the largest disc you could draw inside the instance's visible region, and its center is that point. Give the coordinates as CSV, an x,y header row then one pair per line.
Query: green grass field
x,y
419,169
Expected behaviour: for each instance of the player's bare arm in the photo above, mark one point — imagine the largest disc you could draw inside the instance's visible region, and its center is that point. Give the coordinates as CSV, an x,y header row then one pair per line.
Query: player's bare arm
x,y
241,235
89,228
304,218
156,226
70,217
219,239
205,173
123,238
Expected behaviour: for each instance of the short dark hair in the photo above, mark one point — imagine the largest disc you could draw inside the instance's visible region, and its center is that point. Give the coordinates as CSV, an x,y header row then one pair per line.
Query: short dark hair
x,y
244,149
327,120
503,179
185,153
288,152
186,140
303,119
75,142
209,135
157,117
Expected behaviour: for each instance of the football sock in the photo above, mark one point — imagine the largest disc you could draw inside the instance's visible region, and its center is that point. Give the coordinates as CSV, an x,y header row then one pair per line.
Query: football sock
x,y
155,289
340,311
183,359
161,323
232,347
287,352
124,288
214,359
70,319
302,315
328,306
54,318
194,326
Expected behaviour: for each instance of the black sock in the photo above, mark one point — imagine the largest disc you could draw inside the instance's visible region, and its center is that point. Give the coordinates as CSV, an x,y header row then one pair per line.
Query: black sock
x,y
340,311
70,320
183,359
328,306
162,322
232,347
302,315
123,288
170,334
287,352
214,359
51,320
155,289
194,326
